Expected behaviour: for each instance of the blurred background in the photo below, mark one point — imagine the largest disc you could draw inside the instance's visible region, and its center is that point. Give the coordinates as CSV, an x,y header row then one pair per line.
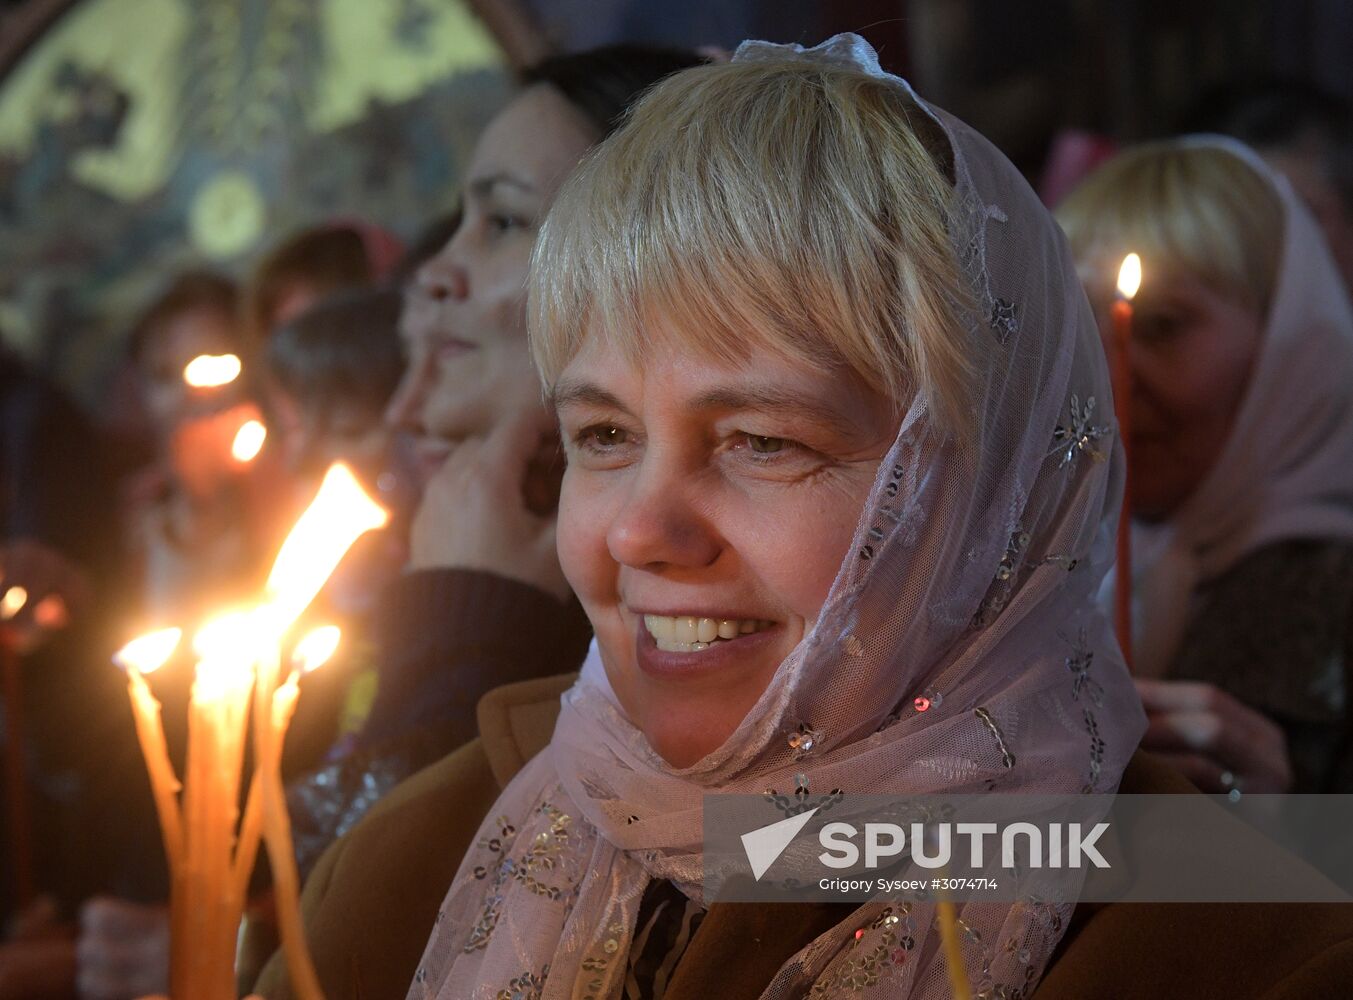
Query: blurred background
x,y
140,137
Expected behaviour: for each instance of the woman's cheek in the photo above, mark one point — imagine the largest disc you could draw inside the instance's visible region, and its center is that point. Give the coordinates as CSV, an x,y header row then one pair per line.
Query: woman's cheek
x,y
581,535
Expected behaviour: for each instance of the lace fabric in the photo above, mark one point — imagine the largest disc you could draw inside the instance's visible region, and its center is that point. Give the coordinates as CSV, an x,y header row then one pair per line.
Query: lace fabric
x,y
969,589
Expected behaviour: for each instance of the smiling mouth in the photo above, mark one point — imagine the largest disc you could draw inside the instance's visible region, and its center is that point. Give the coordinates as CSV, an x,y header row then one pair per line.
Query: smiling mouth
x,y
693,634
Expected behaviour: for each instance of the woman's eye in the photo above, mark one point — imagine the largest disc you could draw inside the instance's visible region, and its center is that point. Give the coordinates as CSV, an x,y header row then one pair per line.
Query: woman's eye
x,y
762,445
1153,329
602,436
501,223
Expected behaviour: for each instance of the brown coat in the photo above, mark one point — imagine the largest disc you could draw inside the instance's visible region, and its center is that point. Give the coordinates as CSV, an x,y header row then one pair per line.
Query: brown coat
x,y
371,902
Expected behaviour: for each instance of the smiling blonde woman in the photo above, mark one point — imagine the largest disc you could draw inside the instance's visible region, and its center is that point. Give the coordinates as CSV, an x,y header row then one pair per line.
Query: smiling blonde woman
x,y
841,486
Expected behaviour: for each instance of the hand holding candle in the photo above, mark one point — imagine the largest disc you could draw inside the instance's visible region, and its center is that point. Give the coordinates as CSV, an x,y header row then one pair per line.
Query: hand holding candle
x,y
1129,280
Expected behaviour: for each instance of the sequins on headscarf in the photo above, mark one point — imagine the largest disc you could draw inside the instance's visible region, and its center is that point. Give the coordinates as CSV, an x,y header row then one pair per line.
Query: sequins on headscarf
x,y
801,802
601,958
1078,434
527,986
531,868
874,952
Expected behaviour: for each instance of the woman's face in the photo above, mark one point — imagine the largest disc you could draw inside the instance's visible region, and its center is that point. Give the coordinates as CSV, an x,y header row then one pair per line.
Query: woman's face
x,y
706,511
464,322
1191,356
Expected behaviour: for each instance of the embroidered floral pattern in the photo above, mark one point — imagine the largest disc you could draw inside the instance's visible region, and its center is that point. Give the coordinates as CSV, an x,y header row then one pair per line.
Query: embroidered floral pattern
x,y
1079,434
1004,319
1096,751
1080,661
1007,758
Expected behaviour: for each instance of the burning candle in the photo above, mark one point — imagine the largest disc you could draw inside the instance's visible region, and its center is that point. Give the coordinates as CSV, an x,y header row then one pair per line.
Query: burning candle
x,y
311,652
340,513
16,779
141,656
1129,280
208,909
211,371
239,655
248,441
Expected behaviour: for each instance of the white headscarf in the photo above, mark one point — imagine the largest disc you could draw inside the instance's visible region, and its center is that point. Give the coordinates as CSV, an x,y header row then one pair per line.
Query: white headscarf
x,y
1286,470
969,585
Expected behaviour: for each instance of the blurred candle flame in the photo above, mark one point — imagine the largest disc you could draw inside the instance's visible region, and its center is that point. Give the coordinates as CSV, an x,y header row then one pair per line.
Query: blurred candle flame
x,y
1130,276
12,603
208,371
248,441
148,653
339,514
316,647
229,636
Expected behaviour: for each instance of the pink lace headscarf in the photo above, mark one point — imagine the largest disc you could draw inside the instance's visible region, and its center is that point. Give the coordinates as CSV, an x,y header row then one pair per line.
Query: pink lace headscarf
x,y
969,584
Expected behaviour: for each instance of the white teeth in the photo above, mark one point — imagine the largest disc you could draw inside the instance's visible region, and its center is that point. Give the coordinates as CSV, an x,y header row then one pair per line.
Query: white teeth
x,y
660,628
689,634
685,630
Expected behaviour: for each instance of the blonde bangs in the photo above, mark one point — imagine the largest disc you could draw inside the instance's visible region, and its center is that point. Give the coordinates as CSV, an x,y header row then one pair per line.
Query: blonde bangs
x,y
1186,209
776,207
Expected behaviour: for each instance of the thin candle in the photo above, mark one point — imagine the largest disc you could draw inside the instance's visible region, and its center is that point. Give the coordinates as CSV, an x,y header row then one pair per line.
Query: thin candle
x,y
202,962
313,650
1129,281
144,655
239,656
947,918
16,783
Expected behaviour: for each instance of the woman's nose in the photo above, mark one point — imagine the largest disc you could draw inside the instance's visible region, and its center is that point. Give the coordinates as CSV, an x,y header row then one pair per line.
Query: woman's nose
x,y
660,526
443,278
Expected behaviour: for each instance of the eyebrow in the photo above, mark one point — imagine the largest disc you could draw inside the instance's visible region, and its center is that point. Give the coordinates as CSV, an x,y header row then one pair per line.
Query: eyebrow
x,y
482,187
774,401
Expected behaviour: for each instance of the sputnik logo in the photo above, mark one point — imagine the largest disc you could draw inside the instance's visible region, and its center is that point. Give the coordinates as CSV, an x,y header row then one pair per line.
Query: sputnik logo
x,y
765,845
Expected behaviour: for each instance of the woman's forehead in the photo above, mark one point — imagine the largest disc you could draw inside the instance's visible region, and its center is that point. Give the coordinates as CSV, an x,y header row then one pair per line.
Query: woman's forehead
x,y
535,142
670,377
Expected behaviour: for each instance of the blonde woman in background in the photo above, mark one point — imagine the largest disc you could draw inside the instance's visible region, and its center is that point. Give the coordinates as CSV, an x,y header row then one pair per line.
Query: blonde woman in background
x,y
1242,461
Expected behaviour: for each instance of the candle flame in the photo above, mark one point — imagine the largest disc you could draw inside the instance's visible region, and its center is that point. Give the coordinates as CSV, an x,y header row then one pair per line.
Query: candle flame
x,y
148,653
1130,276
339,514
208,371
232,636
12,603
249,441
316,647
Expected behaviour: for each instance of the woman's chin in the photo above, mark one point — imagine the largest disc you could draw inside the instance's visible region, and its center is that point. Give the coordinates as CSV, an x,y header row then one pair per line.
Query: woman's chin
x,y
683,749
